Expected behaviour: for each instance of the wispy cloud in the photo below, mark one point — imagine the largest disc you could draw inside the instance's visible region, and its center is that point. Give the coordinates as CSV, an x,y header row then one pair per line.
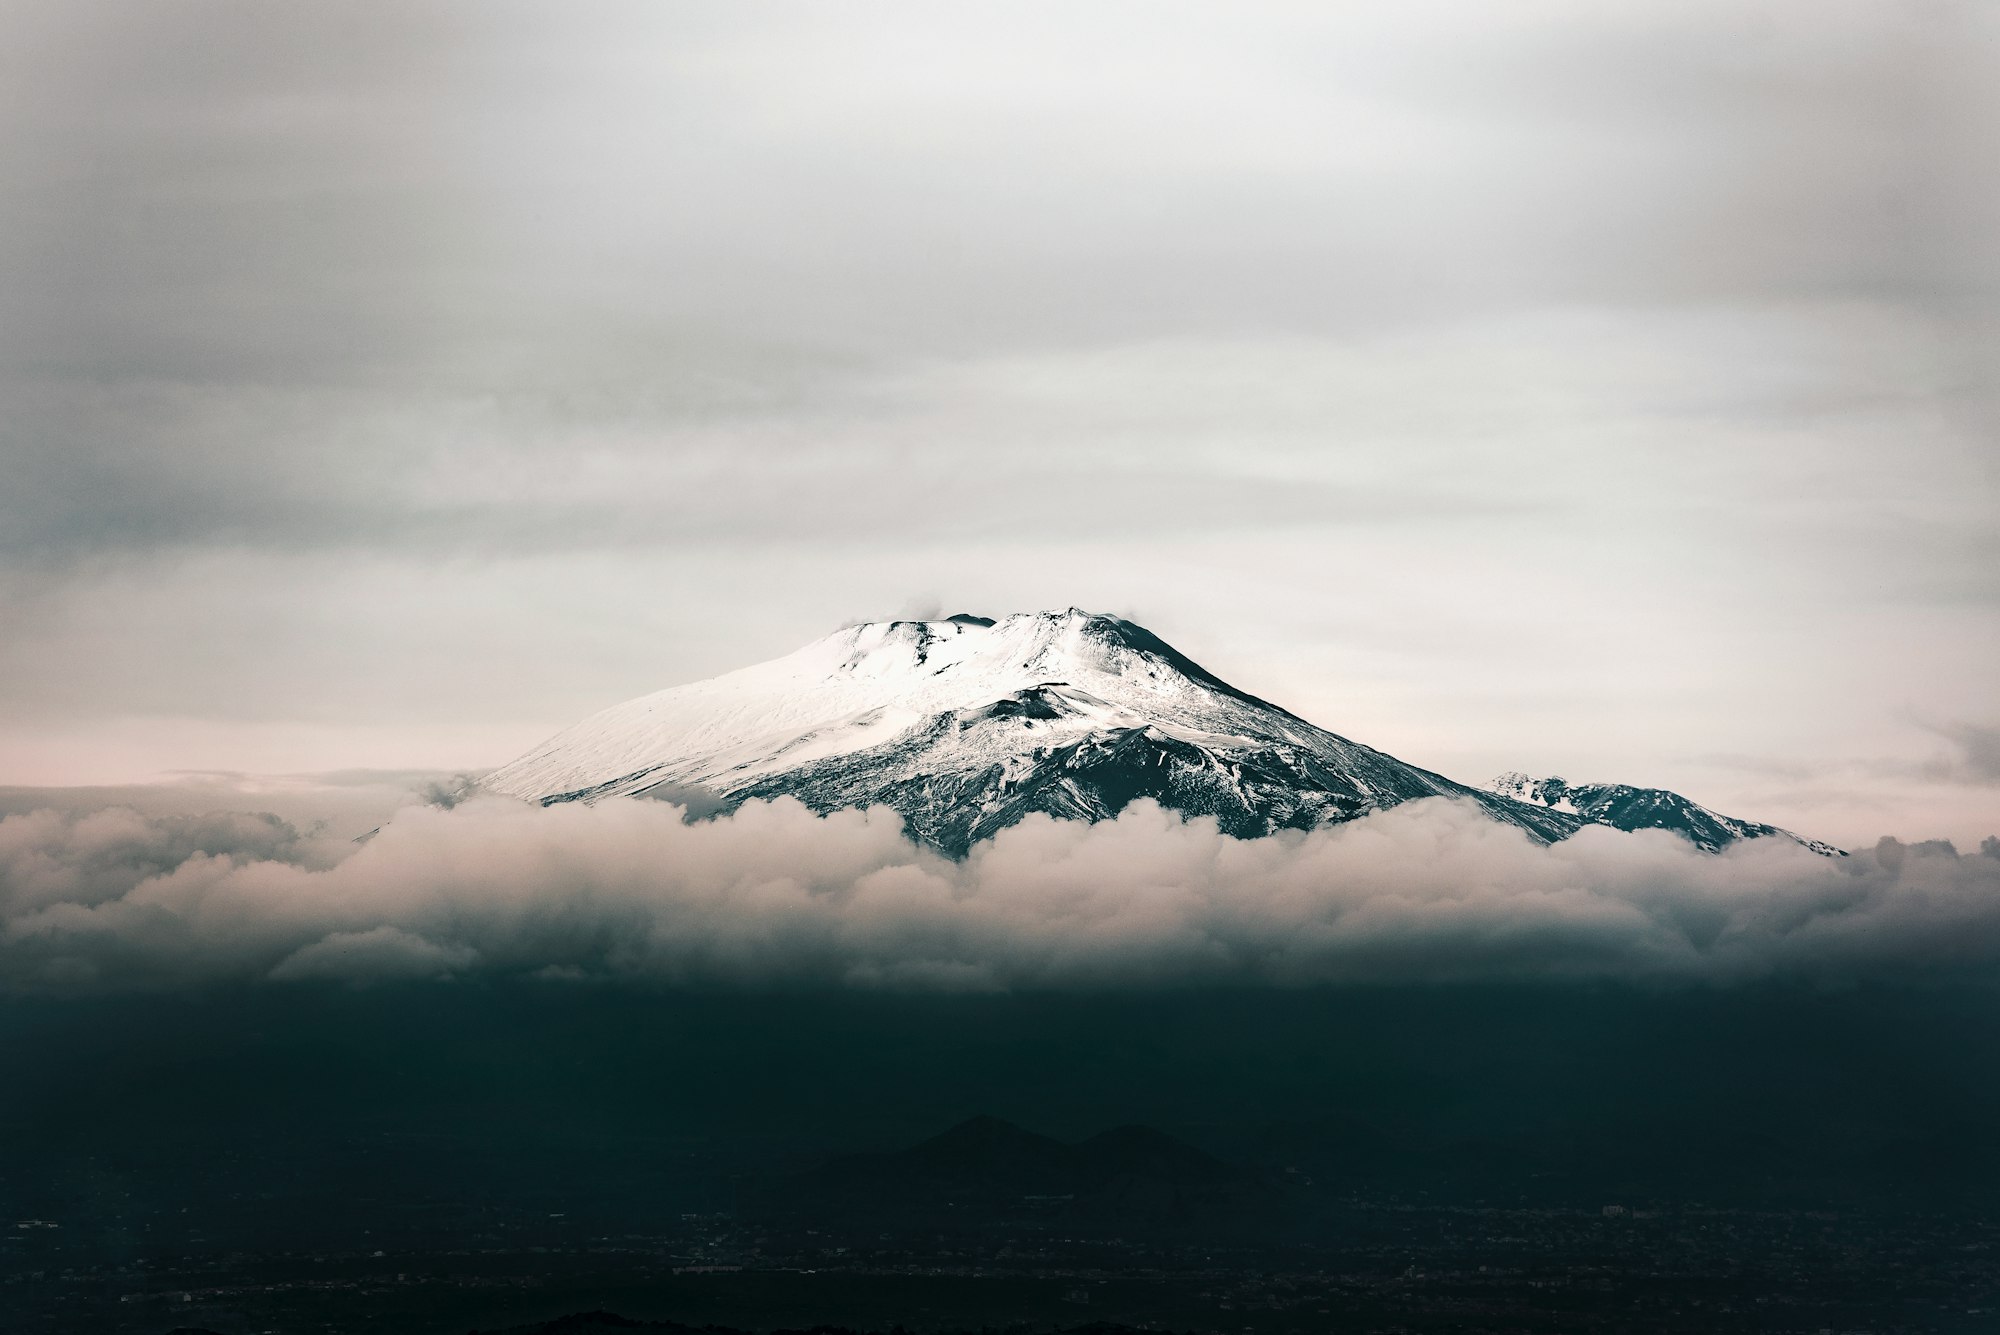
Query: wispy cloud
x,y
1975,756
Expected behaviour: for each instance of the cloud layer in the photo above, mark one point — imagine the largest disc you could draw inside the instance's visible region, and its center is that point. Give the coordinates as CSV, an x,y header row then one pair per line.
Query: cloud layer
x,y
775,896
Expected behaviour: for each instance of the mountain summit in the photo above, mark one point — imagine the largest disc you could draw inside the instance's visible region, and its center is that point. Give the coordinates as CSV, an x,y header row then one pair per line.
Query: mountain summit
x,y
968,724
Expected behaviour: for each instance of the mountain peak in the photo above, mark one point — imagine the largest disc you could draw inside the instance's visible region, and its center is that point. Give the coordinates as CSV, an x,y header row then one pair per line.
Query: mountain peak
x,y
1551,792
1625,807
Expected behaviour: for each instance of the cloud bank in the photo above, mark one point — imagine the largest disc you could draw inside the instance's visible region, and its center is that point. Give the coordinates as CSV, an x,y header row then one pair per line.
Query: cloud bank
x,y
773,895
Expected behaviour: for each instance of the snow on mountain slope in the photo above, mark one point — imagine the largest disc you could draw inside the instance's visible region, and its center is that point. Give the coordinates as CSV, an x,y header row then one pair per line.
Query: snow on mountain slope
x,y
1627,808
966,725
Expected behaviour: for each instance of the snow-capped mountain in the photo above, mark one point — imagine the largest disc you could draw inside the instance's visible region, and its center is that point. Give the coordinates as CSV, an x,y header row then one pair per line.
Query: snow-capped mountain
x,y
1627,808
966,725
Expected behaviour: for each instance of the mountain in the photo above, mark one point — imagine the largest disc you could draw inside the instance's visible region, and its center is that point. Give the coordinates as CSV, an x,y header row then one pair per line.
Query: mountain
x,y
968,724
1624,807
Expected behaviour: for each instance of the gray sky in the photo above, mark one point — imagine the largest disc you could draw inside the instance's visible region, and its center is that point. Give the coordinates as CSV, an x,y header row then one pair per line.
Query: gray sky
x,y
1605,390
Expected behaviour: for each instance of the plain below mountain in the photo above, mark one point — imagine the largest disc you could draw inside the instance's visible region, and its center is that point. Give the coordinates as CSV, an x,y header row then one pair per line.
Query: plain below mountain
x,y
986,1168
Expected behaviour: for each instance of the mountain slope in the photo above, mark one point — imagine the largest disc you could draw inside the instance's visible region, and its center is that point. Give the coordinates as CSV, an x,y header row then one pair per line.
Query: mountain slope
x,y
1624,807
966,725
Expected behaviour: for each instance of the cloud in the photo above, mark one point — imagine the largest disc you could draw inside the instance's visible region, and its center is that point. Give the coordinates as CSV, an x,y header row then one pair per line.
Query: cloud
x,y
381,953
285,283
337,803
774,896
1977,758
52,857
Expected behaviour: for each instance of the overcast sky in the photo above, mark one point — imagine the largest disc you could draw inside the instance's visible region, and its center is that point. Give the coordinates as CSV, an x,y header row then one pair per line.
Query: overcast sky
x,y
1599,389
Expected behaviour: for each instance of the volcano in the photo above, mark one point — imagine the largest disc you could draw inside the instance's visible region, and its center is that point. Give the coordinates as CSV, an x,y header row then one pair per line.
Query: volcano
x,y
966,725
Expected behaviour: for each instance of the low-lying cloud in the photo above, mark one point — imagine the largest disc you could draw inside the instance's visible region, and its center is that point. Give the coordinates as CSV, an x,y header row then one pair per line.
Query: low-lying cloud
x,y
774,895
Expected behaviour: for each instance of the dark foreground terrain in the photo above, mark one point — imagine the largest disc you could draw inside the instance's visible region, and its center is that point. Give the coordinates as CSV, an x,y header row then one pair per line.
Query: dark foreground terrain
x,y
1399,1268
455,1158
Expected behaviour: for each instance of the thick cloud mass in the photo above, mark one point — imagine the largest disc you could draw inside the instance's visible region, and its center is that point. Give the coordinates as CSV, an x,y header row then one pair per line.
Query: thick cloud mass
x,y
773,895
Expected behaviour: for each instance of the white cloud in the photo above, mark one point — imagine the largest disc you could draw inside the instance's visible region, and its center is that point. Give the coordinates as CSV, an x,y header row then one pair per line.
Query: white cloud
x,y
775,896
380,953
